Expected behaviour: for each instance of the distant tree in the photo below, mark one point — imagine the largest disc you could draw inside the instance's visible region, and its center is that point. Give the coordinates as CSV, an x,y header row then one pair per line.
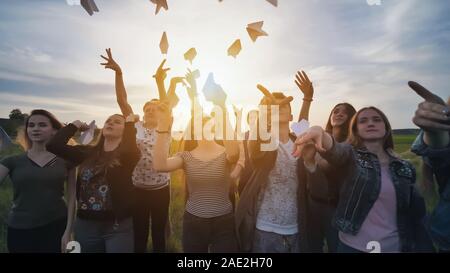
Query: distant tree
x,y
16,114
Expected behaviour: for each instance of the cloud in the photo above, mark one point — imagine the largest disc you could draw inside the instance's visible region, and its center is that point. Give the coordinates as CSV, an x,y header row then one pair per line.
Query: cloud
x,y
354,52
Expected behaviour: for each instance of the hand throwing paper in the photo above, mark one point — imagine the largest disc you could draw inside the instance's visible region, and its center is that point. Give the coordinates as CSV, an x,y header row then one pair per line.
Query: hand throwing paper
x,y
88,135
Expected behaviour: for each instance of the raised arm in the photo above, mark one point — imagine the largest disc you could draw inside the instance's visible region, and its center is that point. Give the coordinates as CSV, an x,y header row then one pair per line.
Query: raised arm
x,y
193,95
306,87
160,76
433,117
121,93
231,146
162,162
58,144
129,152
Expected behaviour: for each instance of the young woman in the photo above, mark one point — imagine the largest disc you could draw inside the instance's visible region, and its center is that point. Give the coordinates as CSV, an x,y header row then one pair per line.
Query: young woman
x,y
208,223
323,191
105,192
378,204
152,188
38,217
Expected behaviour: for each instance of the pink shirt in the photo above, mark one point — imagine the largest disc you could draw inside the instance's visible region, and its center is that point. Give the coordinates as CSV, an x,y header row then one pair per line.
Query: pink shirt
x,y
381,223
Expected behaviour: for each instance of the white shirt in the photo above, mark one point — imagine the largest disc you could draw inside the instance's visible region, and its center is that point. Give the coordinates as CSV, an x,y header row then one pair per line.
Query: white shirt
x,y
278,210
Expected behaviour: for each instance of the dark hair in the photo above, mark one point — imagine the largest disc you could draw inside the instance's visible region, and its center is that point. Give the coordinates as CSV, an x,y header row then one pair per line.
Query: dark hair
x,y
344,128
355,140
22,137
98,148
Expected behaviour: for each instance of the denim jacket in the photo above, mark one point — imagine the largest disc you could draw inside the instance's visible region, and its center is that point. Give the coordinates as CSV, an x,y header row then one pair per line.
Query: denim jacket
x,y
438,223
361,178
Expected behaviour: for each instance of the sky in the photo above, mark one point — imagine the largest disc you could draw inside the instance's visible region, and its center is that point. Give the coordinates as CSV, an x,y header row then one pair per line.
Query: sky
x,y
352,51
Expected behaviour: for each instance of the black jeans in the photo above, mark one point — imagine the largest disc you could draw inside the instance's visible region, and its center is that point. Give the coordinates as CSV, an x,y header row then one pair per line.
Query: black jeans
x,y
44,239
343,248
320,228
154,204
203,235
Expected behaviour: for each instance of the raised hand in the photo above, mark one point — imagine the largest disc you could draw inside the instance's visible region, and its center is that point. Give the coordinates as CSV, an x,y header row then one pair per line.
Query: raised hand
x,y
304,84
132,118
172,97
110,63
432,114
308,153
191,80
270,99
161,72
313,136
82,126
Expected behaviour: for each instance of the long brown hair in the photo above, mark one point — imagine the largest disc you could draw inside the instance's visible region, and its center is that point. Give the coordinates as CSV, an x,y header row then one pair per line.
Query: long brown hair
x,y
355,140
22,136
344,128
98,148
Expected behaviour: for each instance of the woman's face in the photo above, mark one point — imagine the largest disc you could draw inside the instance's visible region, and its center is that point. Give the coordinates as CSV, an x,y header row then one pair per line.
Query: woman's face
x,y
339,116
370,125
40,129
113,127
151,113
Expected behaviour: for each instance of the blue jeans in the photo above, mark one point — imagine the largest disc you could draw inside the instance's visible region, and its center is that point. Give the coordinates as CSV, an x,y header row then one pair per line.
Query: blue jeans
x,y
105,236
269,242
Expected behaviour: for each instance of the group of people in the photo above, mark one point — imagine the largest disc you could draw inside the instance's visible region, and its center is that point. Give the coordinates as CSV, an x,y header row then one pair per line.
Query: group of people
x,y
334,189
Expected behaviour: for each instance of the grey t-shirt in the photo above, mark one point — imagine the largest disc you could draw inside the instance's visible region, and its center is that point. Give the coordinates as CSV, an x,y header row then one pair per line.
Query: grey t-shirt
x,y
37,191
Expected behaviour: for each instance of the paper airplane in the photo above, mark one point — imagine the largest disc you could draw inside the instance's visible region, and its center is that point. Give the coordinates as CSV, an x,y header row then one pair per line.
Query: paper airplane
x,y
235,48
164,44
255,30
300,127
213,92
160,4
89,6
190,55
273,2
87,136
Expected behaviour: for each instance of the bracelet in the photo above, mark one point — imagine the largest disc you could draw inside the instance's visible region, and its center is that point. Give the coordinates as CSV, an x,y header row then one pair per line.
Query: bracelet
x,y
162,132
308,100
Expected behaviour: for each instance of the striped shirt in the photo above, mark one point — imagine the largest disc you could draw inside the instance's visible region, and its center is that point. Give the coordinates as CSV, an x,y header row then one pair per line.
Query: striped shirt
x,y
208,185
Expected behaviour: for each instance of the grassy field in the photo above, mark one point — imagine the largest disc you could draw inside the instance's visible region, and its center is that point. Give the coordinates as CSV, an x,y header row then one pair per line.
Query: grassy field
x,y
402,143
